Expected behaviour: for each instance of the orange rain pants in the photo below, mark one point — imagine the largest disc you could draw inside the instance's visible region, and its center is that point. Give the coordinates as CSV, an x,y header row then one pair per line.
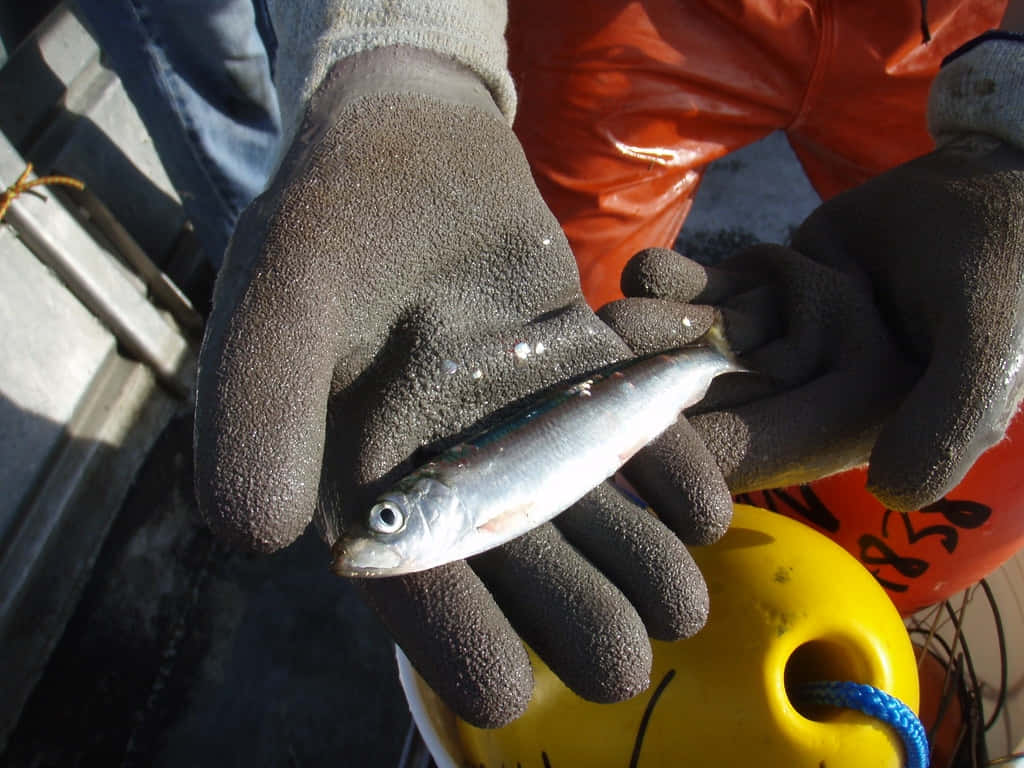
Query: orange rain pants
x,y
622,104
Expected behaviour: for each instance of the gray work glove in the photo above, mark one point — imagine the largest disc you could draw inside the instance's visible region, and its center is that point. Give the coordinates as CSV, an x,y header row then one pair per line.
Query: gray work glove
x,y
891,329
369,313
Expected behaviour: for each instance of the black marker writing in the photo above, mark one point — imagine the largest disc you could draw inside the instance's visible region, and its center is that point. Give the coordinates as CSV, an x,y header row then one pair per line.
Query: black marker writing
x,y
642,730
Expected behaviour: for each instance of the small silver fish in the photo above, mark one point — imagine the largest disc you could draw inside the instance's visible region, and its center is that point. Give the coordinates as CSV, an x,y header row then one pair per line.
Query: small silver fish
x,y
522,473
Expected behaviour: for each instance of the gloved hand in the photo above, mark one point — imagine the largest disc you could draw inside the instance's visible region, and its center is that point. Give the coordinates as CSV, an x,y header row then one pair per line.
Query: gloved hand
x,y
401,281
892,328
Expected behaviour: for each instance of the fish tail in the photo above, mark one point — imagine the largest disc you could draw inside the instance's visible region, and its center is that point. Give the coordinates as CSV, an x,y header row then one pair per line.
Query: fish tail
x,y
716,339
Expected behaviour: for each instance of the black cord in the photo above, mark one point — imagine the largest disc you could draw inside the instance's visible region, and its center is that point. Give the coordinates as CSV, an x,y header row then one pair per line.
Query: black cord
x,y
1003,662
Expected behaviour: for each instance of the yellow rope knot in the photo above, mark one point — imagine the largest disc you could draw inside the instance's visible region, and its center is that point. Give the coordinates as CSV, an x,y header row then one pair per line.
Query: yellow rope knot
x,y
22,185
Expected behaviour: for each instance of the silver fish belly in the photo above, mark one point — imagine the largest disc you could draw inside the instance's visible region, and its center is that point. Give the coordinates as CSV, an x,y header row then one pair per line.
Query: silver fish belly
x,y
487,491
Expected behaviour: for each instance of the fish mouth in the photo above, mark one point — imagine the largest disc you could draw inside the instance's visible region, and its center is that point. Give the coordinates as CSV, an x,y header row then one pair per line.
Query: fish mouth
x,y
366,558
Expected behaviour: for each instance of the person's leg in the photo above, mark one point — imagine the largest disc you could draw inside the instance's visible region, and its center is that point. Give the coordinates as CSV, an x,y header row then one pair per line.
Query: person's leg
x,y
198,72
864,111
621,107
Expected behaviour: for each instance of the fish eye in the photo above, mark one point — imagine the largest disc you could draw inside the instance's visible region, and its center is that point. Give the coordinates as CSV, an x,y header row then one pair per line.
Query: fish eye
x,y
386,517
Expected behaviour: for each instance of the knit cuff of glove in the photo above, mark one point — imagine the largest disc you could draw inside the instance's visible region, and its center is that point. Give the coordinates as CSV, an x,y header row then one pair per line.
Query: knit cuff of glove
x,y
314,35
406,70
394,70
980,89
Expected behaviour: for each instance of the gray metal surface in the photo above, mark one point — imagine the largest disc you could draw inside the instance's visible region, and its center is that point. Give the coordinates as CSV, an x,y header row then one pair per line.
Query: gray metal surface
x,y
61,108
52,543
97,136
77,419
39,71
162,290
90,370
17,21
186,653
96,278
50,350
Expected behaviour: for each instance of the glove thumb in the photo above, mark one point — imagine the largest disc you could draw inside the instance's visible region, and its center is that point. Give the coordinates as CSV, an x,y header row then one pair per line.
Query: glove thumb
x,y
950,417
261,397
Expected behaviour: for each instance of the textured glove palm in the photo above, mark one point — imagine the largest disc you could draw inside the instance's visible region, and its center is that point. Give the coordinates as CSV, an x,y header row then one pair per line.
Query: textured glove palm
x,y
371,305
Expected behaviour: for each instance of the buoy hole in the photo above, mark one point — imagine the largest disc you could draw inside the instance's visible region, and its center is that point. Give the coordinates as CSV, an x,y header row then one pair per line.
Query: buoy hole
x,y
822,660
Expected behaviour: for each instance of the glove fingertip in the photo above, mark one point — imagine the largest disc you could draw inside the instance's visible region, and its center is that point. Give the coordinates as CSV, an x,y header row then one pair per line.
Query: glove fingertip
x,y
905,478
570,614
458,640
499,690
937,433
678,476
652,325
663,273
259,422
260,514
644,559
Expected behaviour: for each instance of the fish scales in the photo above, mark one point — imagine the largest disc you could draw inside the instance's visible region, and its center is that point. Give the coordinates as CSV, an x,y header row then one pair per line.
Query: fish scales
x,y
493,488
555,453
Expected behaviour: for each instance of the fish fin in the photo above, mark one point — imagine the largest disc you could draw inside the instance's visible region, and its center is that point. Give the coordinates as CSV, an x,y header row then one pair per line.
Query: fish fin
x,y
715,338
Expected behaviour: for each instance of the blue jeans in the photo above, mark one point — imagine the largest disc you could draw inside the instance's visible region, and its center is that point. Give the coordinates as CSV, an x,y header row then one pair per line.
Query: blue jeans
x,y
199,75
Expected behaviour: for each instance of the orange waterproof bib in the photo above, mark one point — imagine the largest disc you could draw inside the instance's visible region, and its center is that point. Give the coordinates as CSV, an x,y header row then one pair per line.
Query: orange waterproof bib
x,y
623,104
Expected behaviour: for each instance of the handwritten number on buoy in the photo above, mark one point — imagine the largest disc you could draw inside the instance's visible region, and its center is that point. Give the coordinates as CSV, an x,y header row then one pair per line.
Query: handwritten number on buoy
x,y
646,719
892,586
874,551
961,513
950,538
811,508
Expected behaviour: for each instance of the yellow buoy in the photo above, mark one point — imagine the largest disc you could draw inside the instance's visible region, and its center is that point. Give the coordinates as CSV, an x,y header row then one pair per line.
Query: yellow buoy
x,y
787,606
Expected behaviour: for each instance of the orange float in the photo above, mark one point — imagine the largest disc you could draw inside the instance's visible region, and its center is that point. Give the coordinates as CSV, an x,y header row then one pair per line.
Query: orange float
x,y
920,557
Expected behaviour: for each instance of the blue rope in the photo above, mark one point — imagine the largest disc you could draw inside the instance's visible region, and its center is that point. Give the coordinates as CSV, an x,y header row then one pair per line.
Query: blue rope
x,y
874,703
